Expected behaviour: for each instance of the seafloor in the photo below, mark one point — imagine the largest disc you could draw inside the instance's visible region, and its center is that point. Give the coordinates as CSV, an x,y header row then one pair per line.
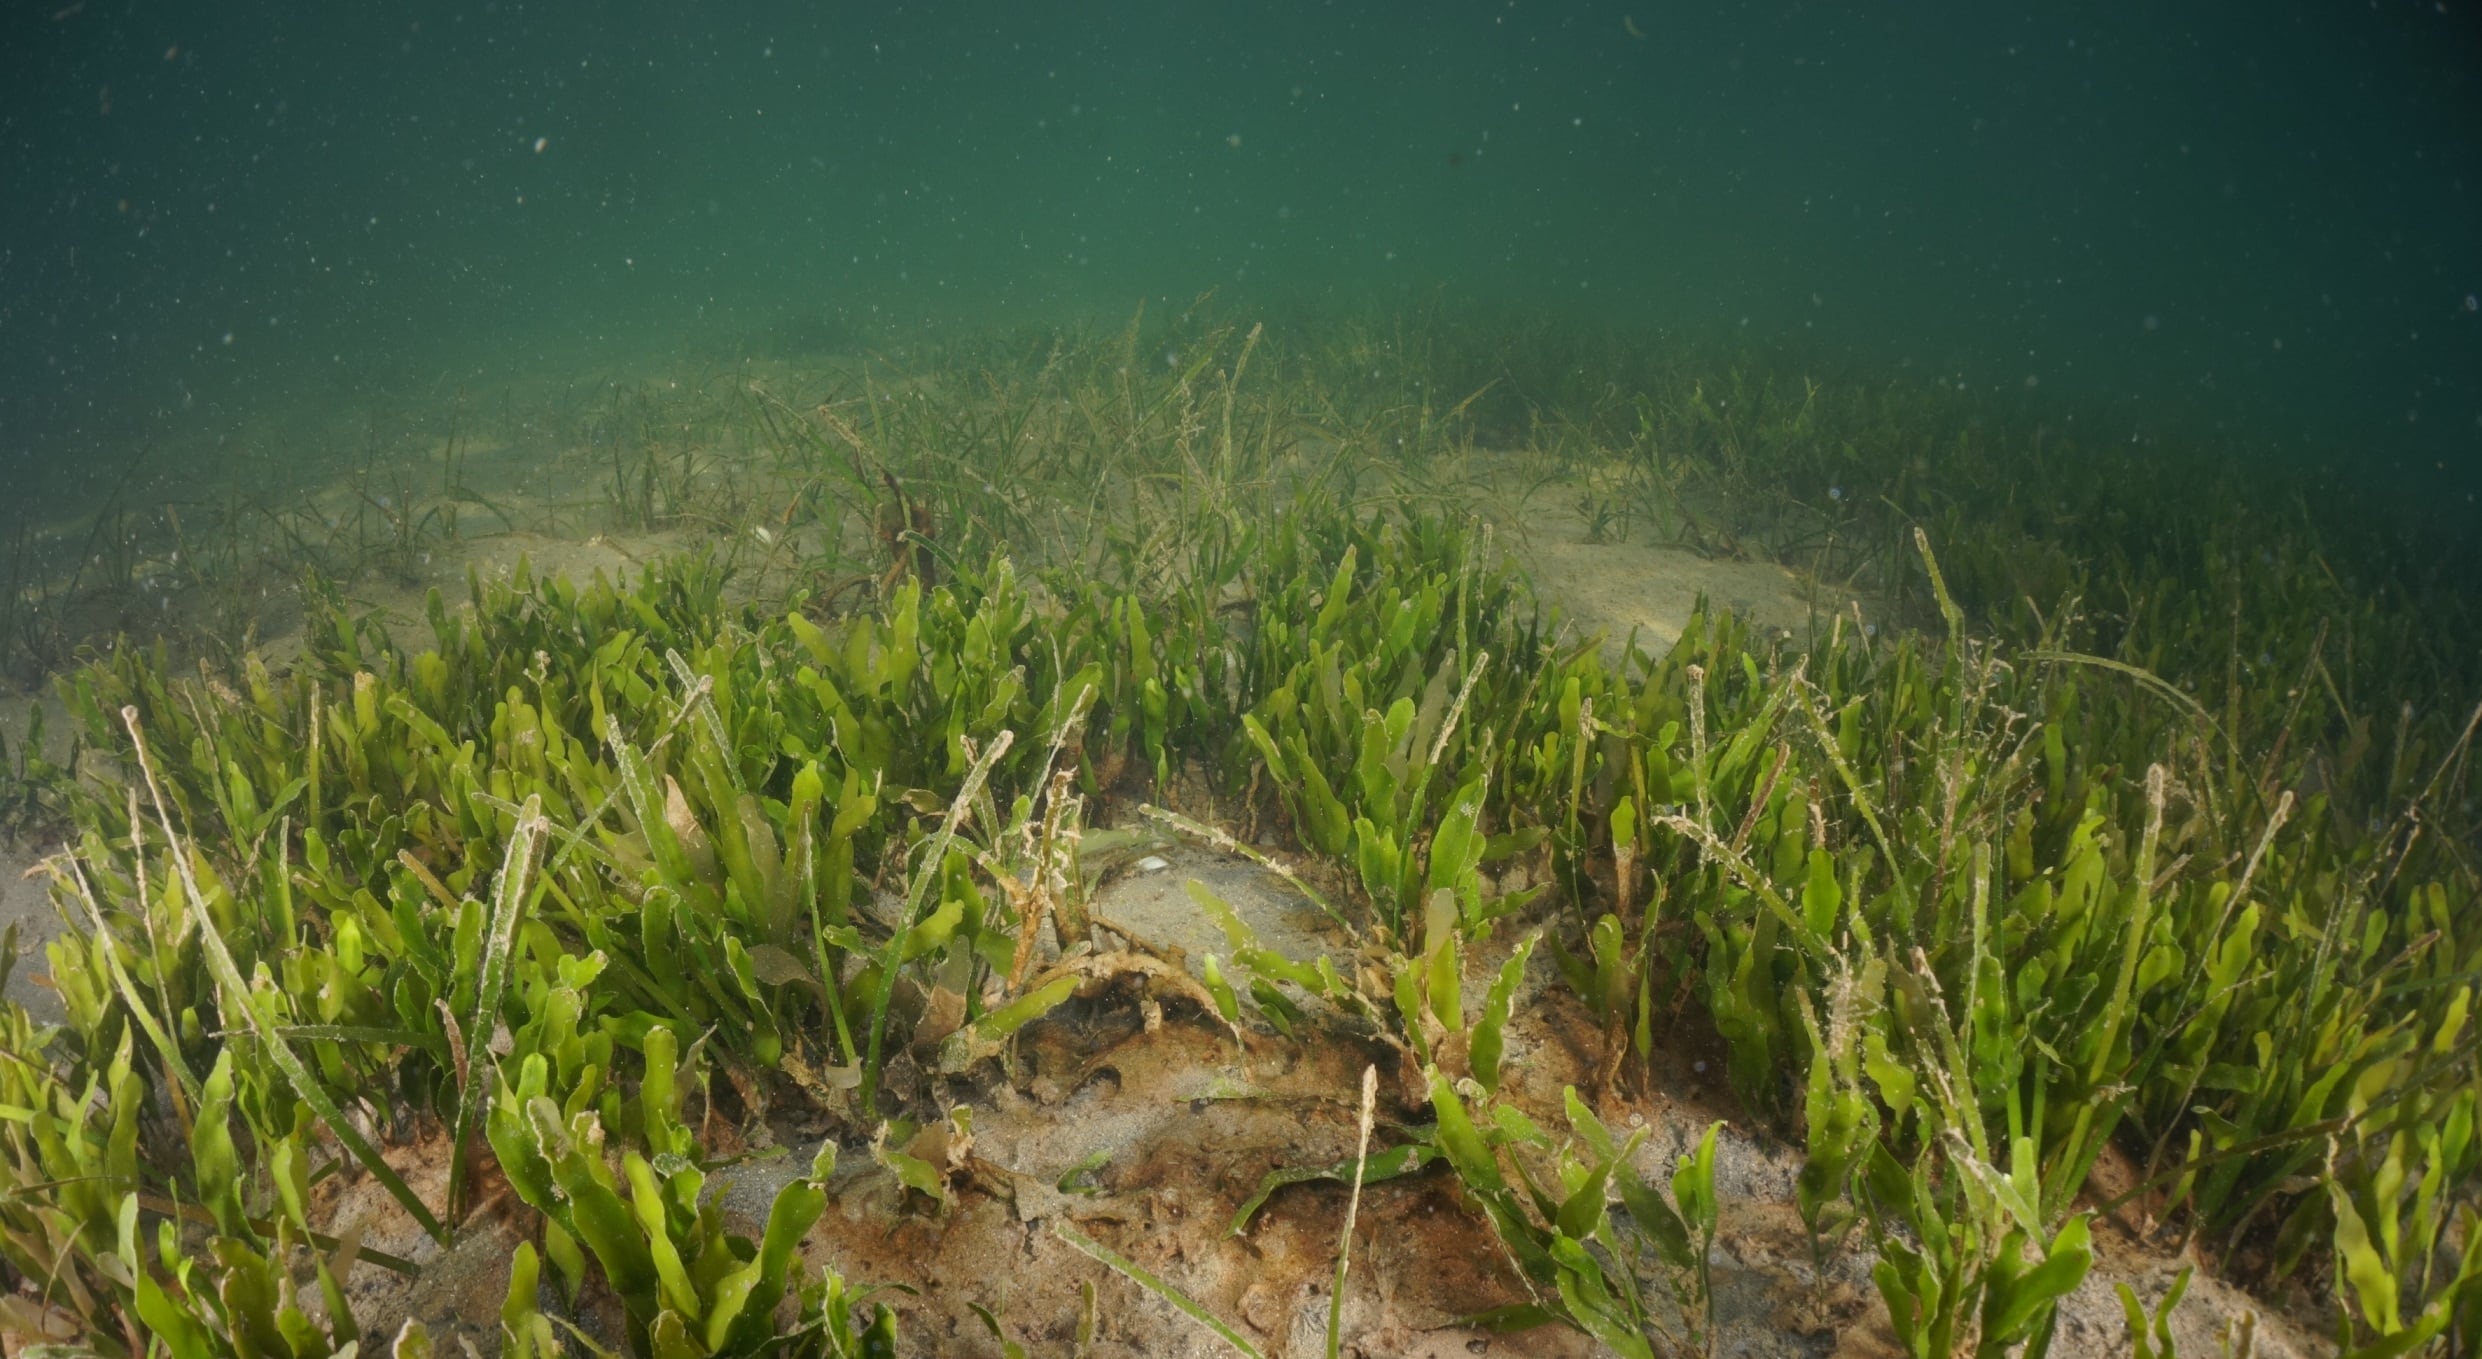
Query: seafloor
x,y
1150,1131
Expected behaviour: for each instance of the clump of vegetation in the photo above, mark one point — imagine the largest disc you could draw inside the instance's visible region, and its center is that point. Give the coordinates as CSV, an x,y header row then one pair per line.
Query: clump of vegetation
x,y
2153,838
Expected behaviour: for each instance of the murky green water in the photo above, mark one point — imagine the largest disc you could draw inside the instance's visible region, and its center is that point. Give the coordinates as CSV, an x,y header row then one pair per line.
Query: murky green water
x,y
2244,221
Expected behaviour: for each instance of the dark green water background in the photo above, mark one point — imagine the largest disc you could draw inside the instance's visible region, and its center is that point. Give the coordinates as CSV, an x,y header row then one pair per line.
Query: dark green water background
x,y
2253,223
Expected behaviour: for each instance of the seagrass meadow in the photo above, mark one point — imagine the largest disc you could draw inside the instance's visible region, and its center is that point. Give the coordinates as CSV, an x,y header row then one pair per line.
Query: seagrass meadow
x,y
1099,841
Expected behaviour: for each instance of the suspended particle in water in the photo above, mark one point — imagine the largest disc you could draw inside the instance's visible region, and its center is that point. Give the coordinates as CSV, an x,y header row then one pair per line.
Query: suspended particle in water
x,y
2153,323
2473,303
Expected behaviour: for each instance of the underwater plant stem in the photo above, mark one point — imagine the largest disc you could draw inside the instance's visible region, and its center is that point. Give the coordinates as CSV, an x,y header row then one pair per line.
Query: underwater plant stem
x,y
185,1084
229,979
2097,1119
1189,1306
518,877
830,992
1352,1210
2191,1004
2408,821
933,864
1751,879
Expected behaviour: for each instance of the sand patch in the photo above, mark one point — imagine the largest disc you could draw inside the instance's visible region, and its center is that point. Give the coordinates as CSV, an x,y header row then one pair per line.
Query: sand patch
x,y
1618,588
